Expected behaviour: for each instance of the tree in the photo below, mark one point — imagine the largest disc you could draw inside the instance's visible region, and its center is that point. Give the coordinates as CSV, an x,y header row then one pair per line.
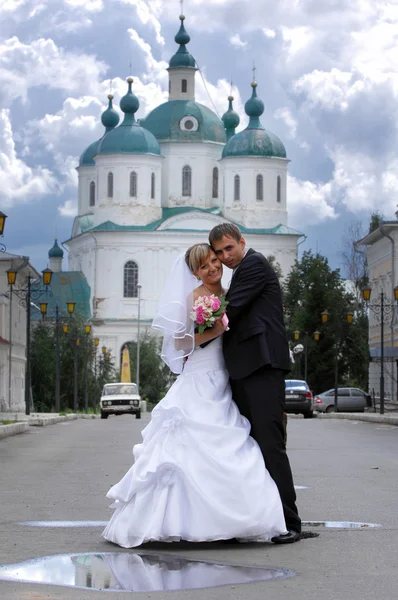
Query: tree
x,y
375,219
275,265
310,288
42,356
354,260
155,376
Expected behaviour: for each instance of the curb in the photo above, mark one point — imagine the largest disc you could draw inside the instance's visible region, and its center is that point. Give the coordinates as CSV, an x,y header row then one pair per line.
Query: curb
x,y
366,417
13,429
23,425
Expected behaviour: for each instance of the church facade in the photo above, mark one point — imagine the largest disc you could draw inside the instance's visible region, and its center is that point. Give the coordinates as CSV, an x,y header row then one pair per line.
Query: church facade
x,y
149,189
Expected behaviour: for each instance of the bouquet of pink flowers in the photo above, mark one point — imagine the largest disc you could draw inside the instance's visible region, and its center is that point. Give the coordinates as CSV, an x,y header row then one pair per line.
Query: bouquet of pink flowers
x,y
208,309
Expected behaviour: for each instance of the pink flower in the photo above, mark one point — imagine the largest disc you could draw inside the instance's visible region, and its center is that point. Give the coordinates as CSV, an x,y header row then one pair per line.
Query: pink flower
x,y
200,318
215,305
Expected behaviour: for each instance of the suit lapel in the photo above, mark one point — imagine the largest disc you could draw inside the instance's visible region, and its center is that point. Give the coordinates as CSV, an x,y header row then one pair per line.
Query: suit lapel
x,y
233,278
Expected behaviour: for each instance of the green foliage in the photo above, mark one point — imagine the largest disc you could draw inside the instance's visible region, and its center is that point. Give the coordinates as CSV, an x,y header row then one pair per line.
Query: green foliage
x,y
99,369
155,376
375,220
275,265
310,288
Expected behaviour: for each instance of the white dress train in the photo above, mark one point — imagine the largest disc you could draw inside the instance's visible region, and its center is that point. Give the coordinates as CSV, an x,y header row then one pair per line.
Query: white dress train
x,y
198,475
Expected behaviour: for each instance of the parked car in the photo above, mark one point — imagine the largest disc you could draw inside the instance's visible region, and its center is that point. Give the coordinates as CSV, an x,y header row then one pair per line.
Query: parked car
x,y
348,400
298,398
120,399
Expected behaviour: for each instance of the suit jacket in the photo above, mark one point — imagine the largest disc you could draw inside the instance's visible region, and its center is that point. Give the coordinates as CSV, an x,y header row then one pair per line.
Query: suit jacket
x,y
257,335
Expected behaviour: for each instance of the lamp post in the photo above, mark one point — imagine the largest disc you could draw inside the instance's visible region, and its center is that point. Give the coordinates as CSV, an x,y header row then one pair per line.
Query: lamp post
x,y
137,379
380,309
296,335
87,330
96,343
3,218
325,317
26,295
75,376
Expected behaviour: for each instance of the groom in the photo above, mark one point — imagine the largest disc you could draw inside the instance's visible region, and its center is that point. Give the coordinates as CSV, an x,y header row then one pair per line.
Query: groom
x,y
256,353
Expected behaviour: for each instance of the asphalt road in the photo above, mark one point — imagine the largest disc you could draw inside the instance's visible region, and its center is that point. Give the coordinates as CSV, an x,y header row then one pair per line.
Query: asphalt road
x,y
350,469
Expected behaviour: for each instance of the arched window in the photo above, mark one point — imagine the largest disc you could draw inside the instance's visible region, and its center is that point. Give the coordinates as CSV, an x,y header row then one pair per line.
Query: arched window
x,y
278,189
237,187
184,86
133,184
152,186
92,193
187,181
259,187
130,279
110,185
215,182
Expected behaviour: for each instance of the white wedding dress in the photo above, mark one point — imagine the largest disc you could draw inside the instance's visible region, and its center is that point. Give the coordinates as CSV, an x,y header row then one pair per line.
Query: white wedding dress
x,y
198,475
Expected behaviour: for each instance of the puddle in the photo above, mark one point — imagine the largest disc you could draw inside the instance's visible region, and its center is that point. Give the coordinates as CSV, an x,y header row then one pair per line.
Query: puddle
x,y
64,523
133,572
301,487
340,524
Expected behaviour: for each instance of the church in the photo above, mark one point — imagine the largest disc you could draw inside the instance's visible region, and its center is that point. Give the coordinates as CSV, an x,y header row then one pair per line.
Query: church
x,y
149,189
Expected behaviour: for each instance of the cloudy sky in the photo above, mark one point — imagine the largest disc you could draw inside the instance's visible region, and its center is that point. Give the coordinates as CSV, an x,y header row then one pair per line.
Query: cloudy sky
x,y
326,70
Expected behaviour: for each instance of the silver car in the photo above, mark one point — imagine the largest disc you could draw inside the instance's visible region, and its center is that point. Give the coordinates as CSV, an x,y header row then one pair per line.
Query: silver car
x,y
349,399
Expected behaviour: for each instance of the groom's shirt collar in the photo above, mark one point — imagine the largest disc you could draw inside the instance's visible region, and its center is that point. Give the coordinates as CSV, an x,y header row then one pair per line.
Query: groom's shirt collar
x,y
236,268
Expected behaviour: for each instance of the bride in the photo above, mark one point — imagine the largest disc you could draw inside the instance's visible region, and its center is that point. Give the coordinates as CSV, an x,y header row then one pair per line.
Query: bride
x,y
198,475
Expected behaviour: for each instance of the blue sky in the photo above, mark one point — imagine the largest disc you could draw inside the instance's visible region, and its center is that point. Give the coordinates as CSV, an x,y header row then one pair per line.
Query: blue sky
x,y
327,73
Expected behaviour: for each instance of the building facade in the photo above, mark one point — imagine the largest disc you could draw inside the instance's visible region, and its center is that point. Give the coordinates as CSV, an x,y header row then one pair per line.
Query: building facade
x,y
381,248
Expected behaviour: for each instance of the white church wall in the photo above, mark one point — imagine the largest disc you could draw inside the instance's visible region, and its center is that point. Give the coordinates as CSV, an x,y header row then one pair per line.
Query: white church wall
x,y
176,77
248,211
122,208
202,158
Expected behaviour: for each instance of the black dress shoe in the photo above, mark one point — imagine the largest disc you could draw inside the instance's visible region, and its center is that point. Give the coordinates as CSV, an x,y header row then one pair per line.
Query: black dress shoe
x,y
287,538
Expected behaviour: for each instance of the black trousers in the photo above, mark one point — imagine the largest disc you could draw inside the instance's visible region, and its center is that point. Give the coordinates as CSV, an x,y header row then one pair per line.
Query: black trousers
x,y
261,398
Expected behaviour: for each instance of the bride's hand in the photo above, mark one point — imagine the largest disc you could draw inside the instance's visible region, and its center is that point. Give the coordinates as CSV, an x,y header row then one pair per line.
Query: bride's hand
x,y
219,327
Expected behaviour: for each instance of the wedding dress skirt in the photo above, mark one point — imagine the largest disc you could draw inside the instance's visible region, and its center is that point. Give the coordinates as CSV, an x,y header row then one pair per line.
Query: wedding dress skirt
x,y
198,475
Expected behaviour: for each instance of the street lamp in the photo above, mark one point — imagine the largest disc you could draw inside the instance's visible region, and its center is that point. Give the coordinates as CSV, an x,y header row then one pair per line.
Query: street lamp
x,y
65,327
137,379
380,308
33,291
3,218
316,336
325,317
75,378
87,329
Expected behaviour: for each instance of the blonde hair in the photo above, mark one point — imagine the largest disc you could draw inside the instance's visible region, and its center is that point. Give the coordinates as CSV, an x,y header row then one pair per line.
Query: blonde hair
x,y
196,255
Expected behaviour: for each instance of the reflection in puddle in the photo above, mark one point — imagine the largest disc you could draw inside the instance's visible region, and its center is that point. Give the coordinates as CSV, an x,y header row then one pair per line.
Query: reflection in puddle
x,y
301,487
64,523
133,572
339,524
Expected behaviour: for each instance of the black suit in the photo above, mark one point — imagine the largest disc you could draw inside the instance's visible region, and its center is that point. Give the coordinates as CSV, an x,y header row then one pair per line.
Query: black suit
x,y
256,353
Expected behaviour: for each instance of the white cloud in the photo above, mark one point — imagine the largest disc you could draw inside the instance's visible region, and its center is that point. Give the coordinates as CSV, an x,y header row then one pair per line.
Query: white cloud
x,y
284,114
148,13
42,62
237,42
68,208
269,33
89,5
18,181
308,202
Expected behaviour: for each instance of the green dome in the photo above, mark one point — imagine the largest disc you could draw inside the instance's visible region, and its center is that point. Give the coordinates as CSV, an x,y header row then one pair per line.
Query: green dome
x,y
182,58
230,119
129,137
109,119
56,251
254,140
166,123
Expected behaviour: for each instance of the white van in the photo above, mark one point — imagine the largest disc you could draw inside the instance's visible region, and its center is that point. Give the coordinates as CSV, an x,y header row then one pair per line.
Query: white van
x,y
120,399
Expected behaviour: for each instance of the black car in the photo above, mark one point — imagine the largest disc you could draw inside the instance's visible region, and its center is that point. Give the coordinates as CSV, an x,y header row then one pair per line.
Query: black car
x,y
298,398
